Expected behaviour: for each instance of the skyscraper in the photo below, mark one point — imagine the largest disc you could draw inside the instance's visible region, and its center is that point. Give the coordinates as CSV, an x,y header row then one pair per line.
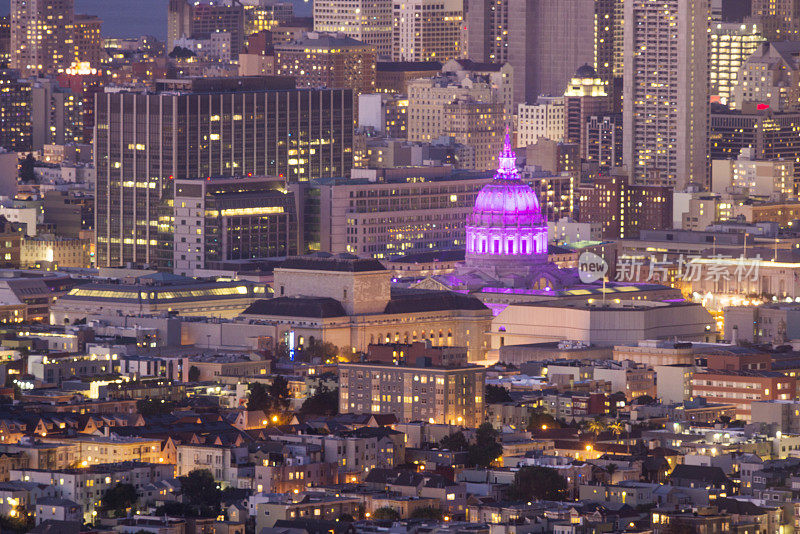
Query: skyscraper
x,y
41,35
427,30
732,44
199,129
198,20
779,18
487,30
666,84
15,111
544,40
369,21
88,40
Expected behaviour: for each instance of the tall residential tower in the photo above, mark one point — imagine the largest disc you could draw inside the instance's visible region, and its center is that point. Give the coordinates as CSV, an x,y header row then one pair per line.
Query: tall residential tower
x,y
666,91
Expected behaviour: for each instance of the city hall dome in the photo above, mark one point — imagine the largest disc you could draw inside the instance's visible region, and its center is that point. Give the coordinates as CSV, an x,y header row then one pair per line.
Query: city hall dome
x,y
506,223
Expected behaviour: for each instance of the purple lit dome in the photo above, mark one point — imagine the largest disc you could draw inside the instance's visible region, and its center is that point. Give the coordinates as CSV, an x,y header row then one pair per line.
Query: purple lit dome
x,y
507,223
506,200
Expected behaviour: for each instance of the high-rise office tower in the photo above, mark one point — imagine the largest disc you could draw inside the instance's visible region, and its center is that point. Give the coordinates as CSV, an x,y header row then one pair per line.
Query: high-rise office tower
x,y
198,20
427,30
15,111
202,128
666,84
88,41
544,40
487,30
586,96
608,57
548,41
369,21
264,15
41,35
324,60
732,43
780,19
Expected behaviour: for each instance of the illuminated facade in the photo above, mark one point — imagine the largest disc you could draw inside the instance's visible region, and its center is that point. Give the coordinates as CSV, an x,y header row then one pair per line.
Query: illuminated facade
x,y
731,45
206,127
231,219
453,395
88,40
41,35
665,95
404,211
506,227
770,78
368,21
15,111
544,119
586,96
780,18
427,30
335,62
198,20
265,16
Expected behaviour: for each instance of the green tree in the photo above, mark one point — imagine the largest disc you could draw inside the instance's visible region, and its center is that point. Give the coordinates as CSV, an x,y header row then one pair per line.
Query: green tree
x,y
194,374
278,393
22,523
324,402
595,426
27,172
486,448
201,493
259,398
497,394
385,514
534,482
454,442
324,350
428,512
118,499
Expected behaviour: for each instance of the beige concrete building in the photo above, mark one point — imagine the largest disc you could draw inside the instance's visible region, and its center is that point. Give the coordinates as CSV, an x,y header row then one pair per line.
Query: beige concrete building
x,y
748,176
467,107
367,21
62,251
353,305
94,450
41,35
615,323
439,395
731,45
545,118
477,125
156,293
427,30
666,48
770,76
428,96
413,211
652,353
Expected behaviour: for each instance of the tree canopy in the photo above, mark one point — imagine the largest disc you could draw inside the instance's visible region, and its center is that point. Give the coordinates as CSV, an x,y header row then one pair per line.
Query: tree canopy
x,y
271,399
118,499
386,514
486,448
542,483
324,402
455,442
497,394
